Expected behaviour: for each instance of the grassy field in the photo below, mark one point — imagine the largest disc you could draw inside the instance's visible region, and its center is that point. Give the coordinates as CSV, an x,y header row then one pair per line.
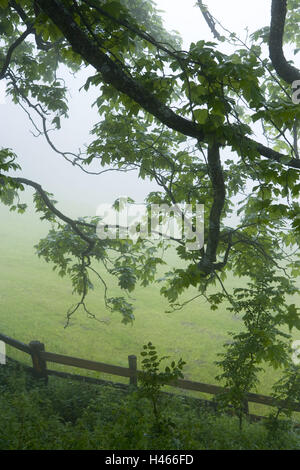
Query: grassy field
x,y
34,302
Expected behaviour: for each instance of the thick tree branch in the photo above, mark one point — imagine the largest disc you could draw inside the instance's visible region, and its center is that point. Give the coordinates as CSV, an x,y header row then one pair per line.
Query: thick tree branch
x,y
278,16
271,154
207,264
114,75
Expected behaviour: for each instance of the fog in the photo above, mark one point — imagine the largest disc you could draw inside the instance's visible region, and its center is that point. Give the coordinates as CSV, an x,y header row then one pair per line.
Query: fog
x,y
77,192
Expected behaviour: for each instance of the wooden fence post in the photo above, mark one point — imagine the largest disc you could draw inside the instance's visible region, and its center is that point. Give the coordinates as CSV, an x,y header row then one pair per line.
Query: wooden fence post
x,y
39,364
132,361
246,407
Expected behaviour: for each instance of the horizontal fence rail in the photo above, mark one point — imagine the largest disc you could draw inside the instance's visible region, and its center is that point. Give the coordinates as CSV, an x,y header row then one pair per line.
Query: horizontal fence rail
x,y
89,365
15,344
40,358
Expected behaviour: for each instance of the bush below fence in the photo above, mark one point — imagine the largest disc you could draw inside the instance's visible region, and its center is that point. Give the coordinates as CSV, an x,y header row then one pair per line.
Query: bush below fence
x,y
41,358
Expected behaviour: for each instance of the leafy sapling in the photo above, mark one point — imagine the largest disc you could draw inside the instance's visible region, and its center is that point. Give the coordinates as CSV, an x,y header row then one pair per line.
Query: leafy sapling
x,y
152,380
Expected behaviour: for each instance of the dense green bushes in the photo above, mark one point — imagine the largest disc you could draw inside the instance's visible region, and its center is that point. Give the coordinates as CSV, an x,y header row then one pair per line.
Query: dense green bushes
x,y
68,415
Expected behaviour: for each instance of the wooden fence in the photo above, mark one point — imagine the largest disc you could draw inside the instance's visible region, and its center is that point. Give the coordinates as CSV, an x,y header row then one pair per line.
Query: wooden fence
x,y
40,358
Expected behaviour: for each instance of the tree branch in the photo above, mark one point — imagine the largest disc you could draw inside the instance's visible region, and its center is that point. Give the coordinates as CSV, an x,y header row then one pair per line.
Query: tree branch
x,y
12,48
219,193
74,224
209,19
278,16
114,75
42,45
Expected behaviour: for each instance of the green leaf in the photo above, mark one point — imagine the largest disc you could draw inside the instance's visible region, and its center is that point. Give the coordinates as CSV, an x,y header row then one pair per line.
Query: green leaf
x,y
201,115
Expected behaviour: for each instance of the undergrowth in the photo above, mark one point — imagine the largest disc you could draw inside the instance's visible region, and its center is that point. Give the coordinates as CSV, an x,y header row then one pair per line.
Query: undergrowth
x,y
70,415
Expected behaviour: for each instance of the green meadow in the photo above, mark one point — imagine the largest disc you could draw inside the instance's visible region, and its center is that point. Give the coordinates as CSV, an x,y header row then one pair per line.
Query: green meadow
x,y
34,302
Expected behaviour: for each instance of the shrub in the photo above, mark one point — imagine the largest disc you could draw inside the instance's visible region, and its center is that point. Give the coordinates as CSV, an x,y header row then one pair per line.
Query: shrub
x,y
70,416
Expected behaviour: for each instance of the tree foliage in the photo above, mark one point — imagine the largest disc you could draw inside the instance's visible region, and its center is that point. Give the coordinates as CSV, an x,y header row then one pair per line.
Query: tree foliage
x,y
186,119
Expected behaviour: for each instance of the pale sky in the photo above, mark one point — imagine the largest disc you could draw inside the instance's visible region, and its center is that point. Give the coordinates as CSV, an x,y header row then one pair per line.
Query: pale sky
x,y
69,184
235,15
